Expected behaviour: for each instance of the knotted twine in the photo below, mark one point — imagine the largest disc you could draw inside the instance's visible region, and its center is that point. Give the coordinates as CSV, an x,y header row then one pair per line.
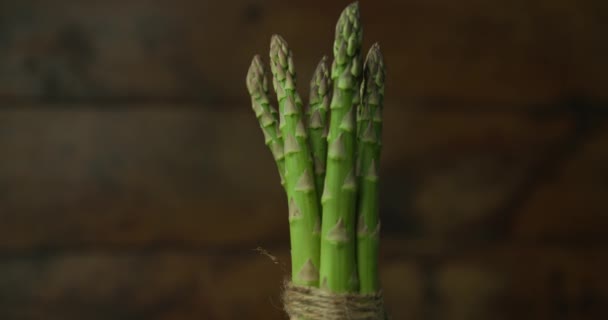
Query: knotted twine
x,y
317,304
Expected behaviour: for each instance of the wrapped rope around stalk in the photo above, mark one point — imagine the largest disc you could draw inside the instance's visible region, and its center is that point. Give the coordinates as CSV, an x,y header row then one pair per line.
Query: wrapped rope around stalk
x,y
318,304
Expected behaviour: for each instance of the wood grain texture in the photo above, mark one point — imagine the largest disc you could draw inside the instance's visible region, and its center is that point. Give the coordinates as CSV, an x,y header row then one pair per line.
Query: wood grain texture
x,y
136,177
523,282
506,282
513,53
76,178
134,182
581,186
141,286
463,176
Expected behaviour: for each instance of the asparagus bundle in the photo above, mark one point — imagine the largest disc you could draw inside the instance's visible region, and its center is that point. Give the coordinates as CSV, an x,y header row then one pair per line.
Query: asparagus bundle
x,y
328,158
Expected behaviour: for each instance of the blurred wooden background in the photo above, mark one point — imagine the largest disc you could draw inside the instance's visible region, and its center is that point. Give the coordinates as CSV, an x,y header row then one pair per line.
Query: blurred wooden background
x,y
134,182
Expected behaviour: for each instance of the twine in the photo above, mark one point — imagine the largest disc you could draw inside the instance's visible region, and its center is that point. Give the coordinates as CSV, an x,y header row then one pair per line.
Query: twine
x,y
317,304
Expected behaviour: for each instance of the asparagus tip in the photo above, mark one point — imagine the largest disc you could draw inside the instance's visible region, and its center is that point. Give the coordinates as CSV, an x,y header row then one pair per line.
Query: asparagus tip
x,y
320,71
352,9
374,55
374,75
255,76
348,31
319,84
279,51
281,65
276,39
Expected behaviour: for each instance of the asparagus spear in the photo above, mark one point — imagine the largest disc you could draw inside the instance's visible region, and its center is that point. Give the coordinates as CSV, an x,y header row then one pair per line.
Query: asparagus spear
x,y
369,122
257,84
338,263
304,214
320,93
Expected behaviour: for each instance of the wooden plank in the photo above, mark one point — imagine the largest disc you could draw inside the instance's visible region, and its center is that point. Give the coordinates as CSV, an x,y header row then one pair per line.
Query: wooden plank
x,y
572,204
451,177
523,282
73,178
565,212
510,282
193,178
168,285
403,286
158,286
511,53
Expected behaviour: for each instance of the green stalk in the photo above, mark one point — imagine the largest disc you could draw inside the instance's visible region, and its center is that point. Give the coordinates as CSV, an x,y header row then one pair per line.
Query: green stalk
x,y
320,95
304,213
257,84
338,263
369,122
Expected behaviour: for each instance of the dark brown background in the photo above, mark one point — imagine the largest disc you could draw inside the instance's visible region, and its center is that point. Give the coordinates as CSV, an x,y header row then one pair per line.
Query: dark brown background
x,y
134,182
